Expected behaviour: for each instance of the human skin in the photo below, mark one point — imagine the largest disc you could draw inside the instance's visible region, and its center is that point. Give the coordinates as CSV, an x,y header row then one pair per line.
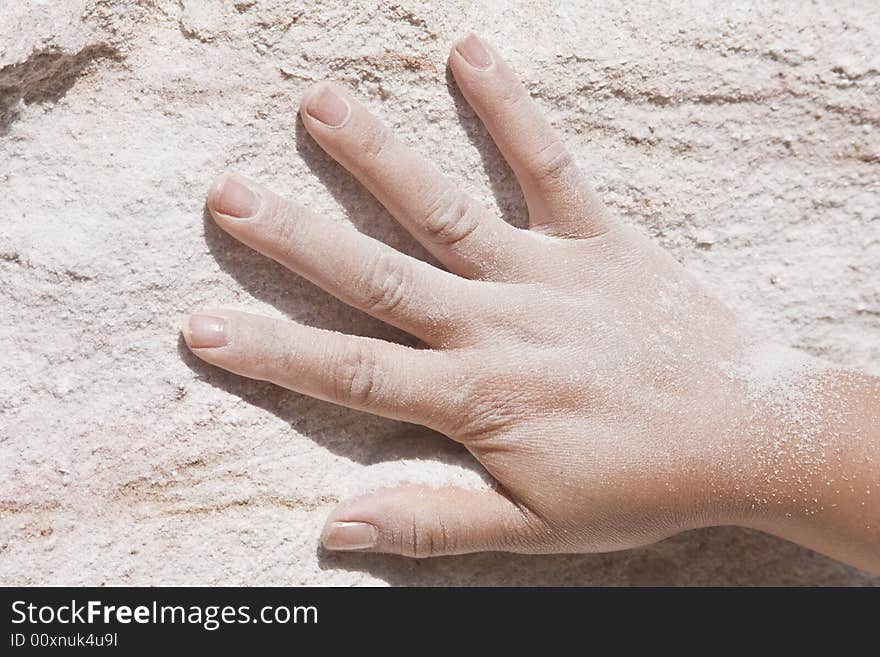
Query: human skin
x,y
613,399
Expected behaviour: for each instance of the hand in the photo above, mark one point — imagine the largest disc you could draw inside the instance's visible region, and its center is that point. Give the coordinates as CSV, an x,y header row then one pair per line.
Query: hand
x,y
599,384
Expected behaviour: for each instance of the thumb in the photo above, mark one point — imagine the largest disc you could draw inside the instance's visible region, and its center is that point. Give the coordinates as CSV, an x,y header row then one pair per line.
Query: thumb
x,y
420,521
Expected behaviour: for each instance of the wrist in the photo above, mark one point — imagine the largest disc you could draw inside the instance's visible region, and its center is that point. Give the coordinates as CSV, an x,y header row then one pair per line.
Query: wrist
x,y
801,461
825,496
772,452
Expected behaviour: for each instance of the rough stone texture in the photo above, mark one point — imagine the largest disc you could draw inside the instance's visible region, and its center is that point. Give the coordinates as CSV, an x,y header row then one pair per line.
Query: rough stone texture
x,y
745,137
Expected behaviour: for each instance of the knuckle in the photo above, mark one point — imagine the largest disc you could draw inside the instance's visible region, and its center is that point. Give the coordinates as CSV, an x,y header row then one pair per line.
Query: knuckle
x,y
451,218
374,140
552,164
530,530
384,284
487,411
356,377
424,538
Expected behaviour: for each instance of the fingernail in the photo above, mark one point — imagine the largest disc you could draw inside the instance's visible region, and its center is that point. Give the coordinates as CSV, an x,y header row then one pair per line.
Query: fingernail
x,y
328,108
233,197
350,536
474,52
206,332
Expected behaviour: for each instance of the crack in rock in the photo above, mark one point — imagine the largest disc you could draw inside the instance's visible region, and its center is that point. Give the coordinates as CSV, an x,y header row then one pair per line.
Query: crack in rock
x,y
45,76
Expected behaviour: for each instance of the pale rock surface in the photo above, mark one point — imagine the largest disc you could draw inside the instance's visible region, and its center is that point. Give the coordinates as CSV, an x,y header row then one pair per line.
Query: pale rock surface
x,y
744,137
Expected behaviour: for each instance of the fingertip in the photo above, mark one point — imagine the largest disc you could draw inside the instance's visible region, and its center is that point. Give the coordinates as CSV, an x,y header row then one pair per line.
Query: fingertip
x,y
205,330
326,104
215,189
183,329
349,535
308,95
354,524
472,51
233,196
